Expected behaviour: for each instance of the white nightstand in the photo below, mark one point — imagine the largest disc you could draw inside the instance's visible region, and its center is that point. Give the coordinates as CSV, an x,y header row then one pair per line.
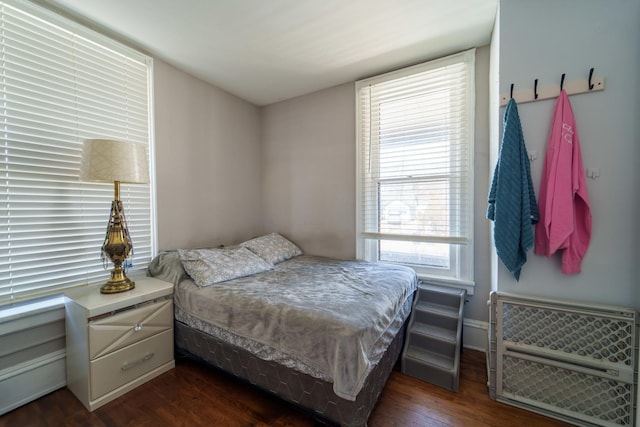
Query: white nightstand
x,y
115,342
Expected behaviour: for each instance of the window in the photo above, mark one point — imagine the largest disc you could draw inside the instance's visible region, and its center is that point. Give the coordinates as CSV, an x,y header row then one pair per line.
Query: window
x,y
415,176
60,84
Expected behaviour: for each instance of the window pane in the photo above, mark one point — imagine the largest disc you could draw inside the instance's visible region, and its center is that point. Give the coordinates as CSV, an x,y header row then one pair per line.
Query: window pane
x,y
415,208
431,255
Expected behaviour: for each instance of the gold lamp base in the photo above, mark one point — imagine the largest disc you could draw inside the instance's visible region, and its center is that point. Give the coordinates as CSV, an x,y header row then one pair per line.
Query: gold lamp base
x,y
117,246
114,288
117,286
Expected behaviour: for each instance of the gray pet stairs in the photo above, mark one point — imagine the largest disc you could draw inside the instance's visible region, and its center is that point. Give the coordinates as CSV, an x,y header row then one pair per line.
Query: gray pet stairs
x,y
434,336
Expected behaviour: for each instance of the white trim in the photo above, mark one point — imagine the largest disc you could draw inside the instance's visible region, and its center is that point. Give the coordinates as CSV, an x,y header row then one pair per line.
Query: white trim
x,y
405,237
28,381
475,334
153,180
31,364
30,319
10,313
448,282
408,71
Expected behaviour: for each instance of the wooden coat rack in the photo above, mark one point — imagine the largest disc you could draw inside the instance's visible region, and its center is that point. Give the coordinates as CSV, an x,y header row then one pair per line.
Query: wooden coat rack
x,y
592,84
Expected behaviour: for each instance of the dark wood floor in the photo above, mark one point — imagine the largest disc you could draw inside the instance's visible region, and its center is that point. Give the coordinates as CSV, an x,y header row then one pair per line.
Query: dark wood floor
x,y
195,395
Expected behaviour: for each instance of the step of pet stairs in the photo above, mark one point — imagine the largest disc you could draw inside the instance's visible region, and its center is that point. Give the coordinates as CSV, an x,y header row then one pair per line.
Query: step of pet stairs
x,y
434,336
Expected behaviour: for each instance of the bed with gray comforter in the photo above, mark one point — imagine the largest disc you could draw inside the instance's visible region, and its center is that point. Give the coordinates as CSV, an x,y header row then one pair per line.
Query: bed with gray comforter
x,y
332,327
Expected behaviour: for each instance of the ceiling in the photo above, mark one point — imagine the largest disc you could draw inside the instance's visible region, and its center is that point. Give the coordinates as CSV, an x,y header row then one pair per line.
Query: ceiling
x,y
265,51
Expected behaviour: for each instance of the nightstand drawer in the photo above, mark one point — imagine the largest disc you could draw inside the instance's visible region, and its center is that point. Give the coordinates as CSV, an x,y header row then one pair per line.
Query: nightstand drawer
x,y
120,367
128,327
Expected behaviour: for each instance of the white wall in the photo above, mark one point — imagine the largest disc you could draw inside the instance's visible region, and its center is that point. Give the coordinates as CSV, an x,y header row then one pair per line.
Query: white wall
x,y
476,308
308,170
207,163
544,39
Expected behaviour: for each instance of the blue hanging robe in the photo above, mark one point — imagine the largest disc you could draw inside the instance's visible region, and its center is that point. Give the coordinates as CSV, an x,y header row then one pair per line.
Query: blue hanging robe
x,y
512,203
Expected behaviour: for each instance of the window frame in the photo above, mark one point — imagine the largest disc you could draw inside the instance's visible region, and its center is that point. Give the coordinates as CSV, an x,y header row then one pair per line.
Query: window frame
x,y
460,271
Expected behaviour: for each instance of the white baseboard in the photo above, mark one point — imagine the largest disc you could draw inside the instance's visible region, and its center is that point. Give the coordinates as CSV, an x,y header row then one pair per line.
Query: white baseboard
x,y
475,334
32,355
30,380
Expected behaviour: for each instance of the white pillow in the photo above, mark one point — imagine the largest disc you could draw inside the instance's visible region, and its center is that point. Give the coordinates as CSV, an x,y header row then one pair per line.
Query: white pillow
x,y
209,266
272,248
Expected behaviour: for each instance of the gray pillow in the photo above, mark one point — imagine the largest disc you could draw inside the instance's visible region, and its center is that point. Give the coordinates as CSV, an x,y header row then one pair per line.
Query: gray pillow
x,y
272,248
168,267
209,266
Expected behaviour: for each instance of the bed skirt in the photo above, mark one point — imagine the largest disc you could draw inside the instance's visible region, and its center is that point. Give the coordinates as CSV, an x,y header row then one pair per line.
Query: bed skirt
x,y
310,393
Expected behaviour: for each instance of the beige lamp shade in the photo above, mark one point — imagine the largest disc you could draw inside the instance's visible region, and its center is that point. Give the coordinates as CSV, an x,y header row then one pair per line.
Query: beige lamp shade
x,y
105,160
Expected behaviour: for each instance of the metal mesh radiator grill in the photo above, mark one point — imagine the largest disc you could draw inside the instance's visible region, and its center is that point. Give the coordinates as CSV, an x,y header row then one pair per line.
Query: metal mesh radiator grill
x,y
570,361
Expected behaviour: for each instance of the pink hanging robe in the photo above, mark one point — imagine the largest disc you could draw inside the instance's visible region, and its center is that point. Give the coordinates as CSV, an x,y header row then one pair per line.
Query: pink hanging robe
x,y
565,216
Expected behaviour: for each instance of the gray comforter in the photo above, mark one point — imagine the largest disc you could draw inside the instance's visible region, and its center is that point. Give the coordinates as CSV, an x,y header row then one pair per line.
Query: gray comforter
x,y
328,314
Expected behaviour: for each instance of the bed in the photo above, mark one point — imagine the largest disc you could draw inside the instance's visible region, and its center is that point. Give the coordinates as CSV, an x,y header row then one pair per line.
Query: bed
x,y
321,333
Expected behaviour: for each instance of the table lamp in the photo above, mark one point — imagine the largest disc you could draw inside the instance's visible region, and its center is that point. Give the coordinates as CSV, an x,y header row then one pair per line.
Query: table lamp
x,y
105,160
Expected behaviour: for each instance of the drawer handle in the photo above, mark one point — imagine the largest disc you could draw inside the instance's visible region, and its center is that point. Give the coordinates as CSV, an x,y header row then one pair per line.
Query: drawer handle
x,y
128,366
137,327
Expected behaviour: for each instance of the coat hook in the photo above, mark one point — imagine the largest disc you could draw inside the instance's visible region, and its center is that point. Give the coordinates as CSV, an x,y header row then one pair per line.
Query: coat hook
x,y
511,93
590,76
562,82
535,89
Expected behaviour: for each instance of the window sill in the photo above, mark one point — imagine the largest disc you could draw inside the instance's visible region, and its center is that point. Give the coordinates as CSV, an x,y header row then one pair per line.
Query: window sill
x,y
468,286
30,308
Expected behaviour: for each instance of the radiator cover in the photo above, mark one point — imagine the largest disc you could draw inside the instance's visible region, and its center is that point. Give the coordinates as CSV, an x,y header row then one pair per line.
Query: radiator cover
x,y
572,361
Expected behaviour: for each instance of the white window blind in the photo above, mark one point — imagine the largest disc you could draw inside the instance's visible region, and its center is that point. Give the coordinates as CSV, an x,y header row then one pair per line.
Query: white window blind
x,y
61,83
415,171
